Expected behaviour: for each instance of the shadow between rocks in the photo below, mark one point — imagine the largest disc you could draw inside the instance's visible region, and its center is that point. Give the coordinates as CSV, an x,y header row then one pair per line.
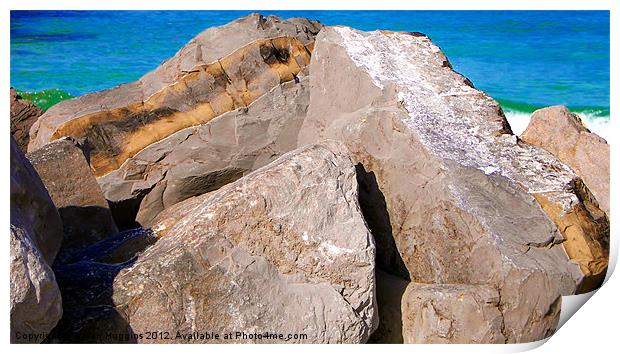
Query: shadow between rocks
x,y
86,285
83,226
124,212
391,274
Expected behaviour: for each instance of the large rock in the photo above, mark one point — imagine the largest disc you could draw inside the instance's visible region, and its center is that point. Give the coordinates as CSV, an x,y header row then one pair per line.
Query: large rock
x,y
203,158
222,69
563,134
284,250
85,214
455,314
23,115
32,208
36,234
36,304
466,200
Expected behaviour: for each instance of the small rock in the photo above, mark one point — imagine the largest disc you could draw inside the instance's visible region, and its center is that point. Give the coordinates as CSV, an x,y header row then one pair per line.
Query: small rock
x,y
23,115
451,313
84,211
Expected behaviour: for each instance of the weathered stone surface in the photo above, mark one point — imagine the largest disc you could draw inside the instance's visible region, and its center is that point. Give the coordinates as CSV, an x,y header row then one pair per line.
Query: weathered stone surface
x,y
450,313
459,188
284,249
36,304
36,234
23,115
253,55
85,214
200,159
562,133
32,208
170,216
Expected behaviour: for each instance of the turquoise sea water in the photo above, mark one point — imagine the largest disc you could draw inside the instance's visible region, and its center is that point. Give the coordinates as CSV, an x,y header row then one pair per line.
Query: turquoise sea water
x,y
524,59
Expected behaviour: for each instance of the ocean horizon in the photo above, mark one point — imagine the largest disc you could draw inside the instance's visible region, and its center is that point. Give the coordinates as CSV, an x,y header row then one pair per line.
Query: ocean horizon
x,y
524,59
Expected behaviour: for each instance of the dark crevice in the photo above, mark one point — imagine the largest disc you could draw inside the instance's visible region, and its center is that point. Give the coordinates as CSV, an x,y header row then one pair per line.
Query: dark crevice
x,y
86,285
374,208
391,274
124,212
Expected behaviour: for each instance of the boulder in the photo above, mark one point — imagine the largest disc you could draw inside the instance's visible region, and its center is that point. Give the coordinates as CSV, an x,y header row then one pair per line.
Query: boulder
x,y
449,313
563,134
464,197
284,250
36,234
222,69
36,304
203,158
23,115
32,208
85,214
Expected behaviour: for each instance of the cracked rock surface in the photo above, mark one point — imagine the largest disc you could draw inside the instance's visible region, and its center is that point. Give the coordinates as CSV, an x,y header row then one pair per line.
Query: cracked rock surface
x,y
201,159
284,249
253,55
462,193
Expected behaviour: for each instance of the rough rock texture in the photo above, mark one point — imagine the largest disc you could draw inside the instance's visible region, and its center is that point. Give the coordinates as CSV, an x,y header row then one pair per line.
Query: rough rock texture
x,y
222,69
86,281
36,234
284,249
23,115
32,208
562,133
85,214
462,193
170,216
36,305
454,314
200,159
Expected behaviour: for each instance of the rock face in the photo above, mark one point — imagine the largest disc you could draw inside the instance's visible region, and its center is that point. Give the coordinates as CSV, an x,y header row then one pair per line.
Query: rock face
x,y
448,167
84,211
32,208
454,314
166,220
36,305
200,159
23,115
562,133
36,234
282,250
253,55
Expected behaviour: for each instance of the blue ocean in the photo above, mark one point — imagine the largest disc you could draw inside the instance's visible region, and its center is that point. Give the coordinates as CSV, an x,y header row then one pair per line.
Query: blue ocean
x,y
524,59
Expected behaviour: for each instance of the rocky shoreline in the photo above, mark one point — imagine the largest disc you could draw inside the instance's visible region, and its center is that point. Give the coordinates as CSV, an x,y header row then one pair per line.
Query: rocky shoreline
x,y
320,183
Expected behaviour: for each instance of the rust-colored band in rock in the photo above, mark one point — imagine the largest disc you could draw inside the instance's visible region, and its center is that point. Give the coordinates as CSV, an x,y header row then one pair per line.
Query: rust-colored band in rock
x,y
197,97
